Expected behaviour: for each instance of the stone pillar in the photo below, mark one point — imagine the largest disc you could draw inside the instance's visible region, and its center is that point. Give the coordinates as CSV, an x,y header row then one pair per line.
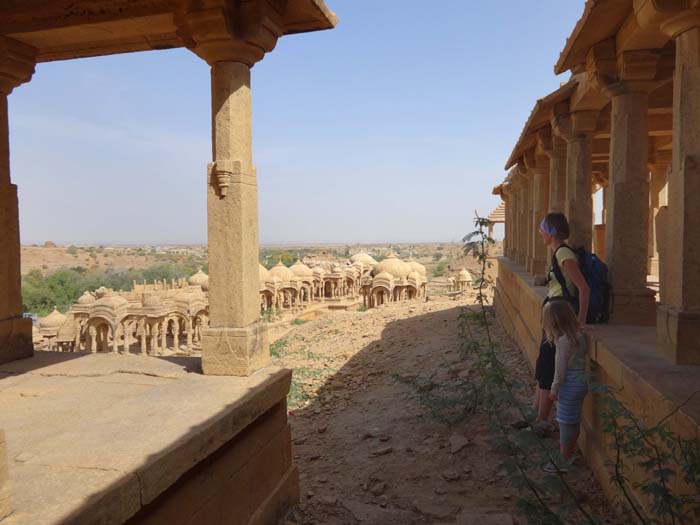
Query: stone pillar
x,y
527,219
678,321
5,490
115,340
522,220
506,218
235,342
513,219
538,164
189,334
16,67
555,148
142,330
578,196
577,129
521,254
627,78
92,339
626,231
126,337
154,337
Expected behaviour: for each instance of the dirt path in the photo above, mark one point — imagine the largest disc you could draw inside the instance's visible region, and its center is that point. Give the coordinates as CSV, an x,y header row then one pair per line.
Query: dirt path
x,y
384,429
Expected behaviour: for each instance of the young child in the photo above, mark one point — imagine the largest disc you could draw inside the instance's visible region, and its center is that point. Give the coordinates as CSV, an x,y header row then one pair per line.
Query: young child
x,y
569,388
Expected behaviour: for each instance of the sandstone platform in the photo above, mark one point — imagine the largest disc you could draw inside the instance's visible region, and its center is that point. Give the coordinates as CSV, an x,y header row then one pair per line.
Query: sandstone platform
x,y
94,438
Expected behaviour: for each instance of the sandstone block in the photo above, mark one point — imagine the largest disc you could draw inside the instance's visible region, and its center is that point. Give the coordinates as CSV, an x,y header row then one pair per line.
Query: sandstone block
x,y
235,351
678,334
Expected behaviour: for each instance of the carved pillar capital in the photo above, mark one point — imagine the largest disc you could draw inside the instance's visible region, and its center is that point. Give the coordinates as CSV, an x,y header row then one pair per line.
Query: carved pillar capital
x,y
574,126
234,31
17,62
615,74
536,161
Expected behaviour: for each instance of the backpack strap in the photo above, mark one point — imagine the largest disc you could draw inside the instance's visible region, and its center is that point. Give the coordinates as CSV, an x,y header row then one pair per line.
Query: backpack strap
x,y
559,275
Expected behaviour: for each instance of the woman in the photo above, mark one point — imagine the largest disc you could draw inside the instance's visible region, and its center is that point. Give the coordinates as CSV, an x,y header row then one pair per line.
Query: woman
x,y
568,285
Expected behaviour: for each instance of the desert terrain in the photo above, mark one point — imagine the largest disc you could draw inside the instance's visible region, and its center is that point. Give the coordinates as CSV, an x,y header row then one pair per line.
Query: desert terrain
x,y
51,257
385,428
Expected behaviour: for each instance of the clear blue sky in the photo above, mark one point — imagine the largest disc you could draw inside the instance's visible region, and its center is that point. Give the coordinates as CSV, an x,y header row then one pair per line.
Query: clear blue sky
x,y
392,127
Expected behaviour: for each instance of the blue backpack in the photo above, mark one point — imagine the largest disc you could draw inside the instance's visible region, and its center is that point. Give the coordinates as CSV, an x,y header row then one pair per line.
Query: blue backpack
x,y
595,272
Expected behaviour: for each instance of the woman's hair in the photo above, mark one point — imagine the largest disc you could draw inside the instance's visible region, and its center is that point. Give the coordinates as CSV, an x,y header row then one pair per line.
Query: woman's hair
x,y
557,225
559,319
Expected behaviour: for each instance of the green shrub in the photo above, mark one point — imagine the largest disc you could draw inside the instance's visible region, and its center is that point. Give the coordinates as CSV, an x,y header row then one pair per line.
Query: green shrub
x,y
440,269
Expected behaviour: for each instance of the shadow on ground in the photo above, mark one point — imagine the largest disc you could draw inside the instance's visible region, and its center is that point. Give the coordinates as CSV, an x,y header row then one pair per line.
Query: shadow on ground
x,y
392,436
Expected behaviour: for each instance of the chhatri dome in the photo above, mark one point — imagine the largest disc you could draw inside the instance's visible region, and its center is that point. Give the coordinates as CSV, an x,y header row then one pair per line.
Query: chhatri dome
x,y
86,298
264,273
464,276
199,279
54,320
417,267
301,270
283,273
111,301
414,276
393,265
363,258
383,276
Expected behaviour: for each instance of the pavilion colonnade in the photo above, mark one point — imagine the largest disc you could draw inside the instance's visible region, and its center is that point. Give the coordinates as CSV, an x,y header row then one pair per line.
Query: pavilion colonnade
x,y
627,125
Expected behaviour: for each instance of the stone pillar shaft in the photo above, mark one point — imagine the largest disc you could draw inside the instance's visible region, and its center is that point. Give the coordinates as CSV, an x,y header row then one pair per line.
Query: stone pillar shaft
x,y
579,205
233,218
557,177
15,331
529,212
234,343
626,231
540,206
522,222
678,323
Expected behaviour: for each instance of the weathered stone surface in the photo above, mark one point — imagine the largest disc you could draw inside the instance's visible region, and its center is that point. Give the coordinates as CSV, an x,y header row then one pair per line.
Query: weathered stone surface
x,y
626,359
141,424
15,332
234,352
680,342
626,246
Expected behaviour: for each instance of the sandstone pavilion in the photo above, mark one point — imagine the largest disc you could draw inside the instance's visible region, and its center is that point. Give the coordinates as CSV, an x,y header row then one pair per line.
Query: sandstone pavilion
x,y
165,317
111,437
617,149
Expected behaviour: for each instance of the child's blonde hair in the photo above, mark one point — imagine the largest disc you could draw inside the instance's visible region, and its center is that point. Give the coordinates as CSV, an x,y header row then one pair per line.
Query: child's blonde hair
x,y
559,319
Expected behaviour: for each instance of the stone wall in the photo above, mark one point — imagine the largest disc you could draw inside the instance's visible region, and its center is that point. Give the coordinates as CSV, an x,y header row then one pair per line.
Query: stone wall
x,y
622,357
250,479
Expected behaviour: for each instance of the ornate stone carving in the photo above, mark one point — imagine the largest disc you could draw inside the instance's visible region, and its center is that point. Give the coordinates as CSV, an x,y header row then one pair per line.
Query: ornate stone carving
x,y
16,64
234,32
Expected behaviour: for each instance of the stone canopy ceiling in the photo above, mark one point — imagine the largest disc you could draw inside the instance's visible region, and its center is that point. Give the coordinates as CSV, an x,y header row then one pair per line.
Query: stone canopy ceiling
x,y
65,29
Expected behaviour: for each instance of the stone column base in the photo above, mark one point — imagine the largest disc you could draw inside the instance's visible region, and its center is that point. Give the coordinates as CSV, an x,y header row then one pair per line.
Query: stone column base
x,y
15,339
635,307
5,500
678,335
234,351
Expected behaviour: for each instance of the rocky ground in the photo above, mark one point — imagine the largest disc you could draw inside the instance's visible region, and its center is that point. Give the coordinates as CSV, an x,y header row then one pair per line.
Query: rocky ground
x,y
384,425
